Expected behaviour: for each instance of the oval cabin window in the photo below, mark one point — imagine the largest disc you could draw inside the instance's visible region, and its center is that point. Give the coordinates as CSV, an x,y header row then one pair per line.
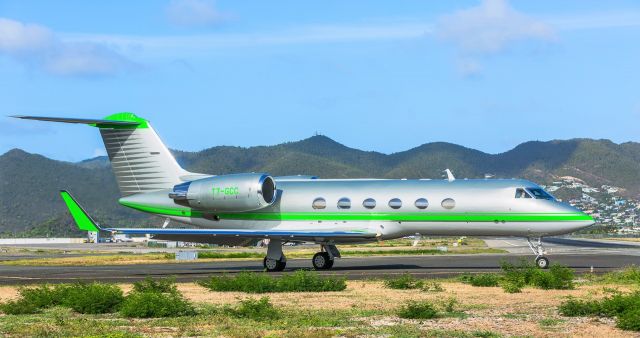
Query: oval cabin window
x,y
395,203
319,203
344,203
369,203
422,203
448,203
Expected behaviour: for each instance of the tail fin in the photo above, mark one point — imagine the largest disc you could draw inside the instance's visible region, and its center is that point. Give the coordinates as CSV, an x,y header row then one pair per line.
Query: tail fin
x,y
140,161
82,219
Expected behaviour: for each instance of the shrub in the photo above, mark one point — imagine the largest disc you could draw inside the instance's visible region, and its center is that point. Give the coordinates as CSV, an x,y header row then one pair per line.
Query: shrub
x,y
155,285
299,281
511,287
557,277
629,320
93,298
256,309
432,287
44,296
417,310
19,307
404,282
575,308
619,303
308,281
151,304
626,307
630,274
81,297
484,279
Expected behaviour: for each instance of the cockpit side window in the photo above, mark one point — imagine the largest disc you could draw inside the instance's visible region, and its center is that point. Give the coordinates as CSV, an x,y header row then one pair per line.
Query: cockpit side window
x,y
539,193
521,193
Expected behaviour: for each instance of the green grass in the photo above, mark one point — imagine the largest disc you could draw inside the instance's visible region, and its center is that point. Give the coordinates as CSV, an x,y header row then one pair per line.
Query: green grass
x,y
299,281
550,322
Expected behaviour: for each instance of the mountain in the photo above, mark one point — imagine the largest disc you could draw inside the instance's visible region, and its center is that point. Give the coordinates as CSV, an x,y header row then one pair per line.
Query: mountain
x,y
29,183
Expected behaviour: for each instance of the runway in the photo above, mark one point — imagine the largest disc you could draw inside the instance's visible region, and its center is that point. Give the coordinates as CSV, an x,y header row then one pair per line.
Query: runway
x,y
582,255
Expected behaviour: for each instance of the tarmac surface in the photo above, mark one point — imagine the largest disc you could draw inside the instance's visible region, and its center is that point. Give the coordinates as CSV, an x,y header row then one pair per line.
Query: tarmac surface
x,y
583,255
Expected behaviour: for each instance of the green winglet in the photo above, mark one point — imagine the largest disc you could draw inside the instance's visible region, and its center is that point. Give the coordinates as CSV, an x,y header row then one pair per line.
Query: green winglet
x,y
83,220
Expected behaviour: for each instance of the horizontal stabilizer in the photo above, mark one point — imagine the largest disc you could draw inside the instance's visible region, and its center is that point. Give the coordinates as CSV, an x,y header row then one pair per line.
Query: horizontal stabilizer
x,y
95,122
80,216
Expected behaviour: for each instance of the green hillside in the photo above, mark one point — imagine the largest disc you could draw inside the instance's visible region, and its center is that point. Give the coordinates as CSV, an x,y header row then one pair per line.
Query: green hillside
x,y
29,183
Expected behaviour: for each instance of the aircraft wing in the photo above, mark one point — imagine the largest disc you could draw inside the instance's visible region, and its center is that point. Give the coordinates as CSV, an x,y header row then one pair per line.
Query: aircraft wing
x,y
85,222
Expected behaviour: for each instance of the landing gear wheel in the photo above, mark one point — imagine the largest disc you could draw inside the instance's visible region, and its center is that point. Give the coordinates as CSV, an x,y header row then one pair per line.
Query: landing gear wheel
x,y
273,265
322,261
542,262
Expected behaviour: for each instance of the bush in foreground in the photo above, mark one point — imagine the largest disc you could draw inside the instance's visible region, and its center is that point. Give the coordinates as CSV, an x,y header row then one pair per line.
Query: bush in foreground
x,y
417,310
483,279
92,298
299,281
630,274
155,304
525,273
404,282
155,285
255,309
625,307
152,298
81,297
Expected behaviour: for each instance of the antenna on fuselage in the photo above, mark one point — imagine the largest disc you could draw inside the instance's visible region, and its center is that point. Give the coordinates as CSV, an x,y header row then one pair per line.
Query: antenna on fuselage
x,y
450,176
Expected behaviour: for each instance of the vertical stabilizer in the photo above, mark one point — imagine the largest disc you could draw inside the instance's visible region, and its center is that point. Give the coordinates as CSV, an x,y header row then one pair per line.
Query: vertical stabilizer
x,y
140,161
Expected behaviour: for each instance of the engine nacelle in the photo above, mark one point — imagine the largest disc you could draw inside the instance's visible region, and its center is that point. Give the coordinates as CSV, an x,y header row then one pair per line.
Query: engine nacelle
x,y
227,193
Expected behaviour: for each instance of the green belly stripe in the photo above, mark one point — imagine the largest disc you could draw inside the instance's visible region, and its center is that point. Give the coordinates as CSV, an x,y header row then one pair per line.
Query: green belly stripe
x,y
365,216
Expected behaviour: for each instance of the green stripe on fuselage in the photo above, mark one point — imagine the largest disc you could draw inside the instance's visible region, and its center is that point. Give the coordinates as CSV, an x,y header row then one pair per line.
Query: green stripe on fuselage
x,y
425,216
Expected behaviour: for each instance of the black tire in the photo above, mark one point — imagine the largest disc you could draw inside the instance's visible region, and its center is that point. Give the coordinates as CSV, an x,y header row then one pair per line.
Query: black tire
x,y
322,261
272,265
542,262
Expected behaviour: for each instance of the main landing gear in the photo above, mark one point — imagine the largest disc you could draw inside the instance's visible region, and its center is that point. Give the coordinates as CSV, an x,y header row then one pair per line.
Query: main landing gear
x,y
275,260
542,262
323,260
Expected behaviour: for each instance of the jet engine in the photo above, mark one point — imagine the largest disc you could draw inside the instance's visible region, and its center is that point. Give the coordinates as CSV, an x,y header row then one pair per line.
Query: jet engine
x,y
227,193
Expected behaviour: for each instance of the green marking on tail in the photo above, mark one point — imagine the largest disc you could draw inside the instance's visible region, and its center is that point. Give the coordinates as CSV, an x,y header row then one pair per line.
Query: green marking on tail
x,y
125,117
82,219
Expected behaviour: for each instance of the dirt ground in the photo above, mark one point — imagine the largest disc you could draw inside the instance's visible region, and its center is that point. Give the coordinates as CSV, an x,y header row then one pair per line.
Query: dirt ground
x,y
530,313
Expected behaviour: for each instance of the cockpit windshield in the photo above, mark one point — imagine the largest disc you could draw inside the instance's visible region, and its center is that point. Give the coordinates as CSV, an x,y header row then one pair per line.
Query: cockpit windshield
x,y
539,193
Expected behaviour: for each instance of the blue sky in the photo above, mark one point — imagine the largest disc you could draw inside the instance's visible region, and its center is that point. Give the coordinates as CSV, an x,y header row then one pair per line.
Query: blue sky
x,y
374,75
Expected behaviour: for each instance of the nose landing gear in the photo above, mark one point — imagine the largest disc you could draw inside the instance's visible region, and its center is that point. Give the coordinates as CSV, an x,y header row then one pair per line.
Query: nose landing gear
x,y
542,262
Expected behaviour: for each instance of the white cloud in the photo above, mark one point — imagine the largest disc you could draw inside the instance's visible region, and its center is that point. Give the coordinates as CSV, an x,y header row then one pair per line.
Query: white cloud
x,y
193,13
469,67
38,47
490,27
